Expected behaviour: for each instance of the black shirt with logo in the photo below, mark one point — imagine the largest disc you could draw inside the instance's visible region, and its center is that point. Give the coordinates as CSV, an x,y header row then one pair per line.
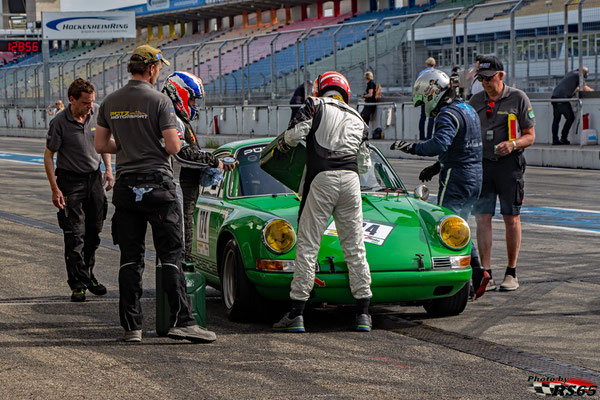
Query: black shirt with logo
x,y
136,115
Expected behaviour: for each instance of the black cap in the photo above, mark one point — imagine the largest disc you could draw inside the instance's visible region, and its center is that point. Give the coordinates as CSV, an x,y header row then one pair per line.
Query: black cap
x,y
488,66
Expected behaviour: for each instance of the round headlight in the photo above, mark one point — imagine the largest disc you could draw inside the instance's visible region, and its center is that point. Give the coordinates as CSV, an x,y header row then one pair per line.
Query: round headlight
x,y
454,232
279,236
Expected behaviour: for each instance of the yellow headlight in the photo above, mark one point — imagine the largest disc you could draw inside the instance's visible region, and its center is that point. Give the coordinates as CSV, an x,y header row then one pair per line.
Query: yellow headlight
x,y
279,236
454,232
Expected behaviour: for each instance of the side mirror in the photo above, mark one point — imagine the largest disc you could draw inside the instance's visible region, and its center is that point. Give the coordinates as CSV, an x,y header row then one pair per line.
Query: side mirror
x,y
421,192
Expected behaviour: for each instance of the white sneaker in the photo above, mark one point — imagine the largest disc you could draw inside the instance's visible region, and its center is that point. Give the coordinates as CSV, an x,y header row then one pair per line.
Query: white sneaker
x,y
509,283
132,336
193,333
491,285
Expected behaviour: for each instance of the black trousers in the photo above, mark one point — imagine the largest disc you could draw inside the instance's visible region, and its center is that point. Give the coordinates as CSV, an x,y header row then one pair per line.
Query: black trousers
x,y
81,221
189,179
422,125
139,199
562,109
367,113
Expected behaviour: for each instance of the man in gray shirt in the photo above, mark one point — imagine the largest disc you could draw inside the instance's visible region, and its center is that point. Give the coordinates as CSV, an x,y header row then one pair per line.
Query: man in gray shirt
x,y
142,121
565,89
77,186
503,111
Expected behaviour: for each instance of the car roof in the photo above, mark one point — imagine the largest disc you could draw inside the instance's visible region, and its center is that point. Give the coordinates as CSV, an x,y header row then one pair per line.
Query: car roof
x,y
233,146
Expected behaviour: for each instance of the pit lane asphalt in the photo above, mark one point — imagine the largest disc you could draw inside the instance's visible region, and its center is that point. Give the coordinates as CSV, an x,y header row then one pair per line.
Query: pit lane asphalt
x,y
51,348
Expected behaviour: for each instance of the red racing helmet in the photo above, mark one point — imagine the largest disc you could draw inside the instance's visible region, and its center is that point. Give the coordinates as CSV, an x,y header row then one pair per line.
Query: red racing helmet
x,y
332,81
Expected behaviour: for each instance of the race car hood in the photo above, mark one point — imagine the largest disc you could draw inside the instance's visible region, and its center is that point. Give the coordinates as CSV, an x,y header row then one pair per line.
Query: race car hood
x,y
393,229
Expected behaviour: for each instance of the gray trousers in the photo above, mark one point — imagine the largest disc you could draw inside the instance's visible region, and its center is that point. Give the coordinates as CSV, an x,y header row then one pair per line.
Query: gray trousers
x,y
334,193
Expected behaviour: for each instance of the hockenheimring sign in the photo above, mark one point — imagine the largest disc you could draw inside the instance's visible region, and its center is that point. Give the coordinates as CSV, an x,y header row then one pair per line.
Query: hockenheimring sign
x,y
86,26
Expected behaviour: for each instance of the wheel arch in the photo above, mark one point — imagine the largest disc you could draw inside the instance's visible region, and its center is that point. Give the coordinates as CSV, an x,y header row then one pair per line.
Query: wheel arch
x,y
224,237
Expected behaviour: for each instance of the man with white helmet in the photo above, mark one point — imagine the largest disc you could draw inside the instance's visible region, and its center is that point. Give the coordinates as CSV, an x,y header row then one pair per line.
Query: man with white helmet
x,y
186,91
457,143
337,151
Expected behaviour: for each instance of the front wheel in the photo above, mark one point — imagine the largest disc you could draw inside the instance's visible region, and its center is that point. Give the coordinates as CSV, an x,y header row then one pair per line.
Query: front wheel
x,y
448,306
239,296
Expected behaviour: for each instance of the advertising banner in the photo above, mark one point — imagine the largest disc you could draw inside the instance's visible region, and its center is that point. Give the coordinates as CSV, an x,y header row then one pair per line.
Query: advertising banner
x,y
88,26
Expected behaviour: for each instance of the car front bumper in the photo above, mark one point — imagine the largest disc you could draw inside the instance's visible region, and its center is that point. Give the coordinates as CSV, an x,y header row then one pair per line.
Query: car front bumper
x,y
387,287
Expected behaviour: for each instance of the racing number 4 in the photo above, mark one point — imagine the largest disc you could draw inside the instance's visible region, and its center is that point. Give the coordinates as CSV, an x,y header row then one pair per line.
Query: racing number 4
x,y
369,228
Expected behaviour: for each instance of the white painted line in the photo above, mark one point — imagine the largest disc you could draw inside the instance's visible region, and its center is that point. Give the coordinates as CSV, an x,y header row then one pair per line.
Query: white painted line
x,y
569,209
564,228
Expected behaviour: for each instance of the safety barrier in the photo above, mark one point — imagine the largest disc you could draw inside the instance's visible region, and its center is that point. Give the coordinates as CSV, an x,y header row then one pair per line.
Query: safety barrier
x,y
397,120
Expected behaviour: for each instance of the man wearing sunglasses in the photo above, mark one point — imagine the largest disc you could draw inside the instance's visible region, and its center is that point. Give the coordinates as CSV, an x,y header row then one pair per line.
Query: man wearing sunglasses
x,y
504,113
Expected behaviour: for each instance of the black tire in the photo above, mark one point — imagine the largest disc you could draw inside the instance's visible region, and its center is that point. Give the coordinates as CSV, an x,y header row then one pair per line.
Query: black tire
x,y
241,301
447,306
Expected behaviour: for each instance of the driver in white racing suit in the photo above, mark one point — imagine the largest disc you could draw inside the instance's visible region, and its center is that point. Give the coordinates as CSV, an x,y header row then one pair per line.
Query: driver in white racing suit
x,y
337,151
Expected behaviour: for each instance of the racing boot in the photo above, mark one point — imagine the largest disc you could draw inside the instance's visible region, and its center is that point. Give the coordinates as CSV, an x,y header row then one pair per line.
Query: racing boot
x,y
287,324
363,323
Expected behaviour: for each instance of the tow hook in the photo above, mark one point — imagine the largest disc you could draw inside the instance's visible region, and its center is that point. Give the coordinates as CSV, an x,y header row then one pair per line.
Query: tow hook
x,y
331,264
421,263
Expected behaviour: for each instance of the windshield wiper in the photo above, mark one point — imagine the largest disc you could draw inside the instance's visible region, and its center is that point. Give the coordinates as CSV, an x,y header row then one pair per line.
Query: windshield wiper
x,y
380,189
392,189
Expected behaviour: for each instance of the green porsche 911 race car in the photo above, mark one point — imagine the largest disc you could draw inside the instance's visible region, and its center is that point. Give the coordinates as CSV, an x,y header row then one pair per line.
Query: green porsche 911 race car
x,y
245,236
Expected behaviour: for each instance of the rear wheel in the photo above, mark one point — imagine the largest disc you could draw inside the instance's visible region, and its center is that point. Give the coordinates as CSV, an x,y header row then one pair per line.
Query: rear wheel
x,y
239,296
447,306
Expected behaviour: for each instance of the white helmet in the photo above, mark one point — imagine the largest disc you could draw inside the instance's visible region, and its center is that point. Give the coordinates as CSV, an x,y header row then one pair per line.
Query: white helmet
x,y
429,89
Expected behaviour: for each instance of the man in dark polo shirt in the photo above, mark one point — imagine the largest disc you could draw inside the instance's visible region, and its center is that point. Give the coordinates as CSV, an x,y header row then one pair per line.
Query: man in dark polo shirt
x,y
77,186
142,121
504,113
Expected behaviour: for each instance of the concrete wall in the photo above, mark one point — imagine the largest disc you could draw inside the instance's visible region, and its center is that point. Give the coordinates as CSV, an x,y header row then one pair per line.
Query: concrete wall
x,y
397,120
270,120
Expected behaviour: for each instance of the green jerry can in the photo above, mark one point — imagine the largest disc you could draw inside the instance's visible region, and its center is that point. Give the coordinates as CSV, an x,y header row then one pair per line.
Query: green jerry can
x,y
288,167
196,288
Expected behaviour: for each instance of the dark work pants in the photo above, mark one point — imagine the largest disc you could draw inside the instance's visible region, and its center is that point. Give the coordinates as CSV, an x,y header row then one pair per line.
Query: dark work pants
x,y
422,125
458,191
81,221
189,180
140,199
561,109
367,113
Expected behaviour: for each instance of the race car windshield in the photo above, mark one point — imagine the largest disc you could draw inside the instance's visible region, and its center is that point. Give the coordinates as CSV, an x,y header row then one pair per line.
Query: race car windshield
x,y
252,180
380,176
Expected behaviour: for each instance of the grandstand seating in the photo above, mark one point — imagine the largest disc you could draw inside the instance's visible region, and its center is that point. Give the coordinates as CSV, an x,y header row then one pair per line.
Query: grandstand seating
x,y
319,45
537,7
260,53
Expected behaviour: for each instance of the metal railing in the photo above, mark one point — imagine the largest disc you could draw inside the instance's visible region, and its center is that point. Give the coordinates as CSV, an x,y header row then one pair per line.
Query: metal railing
x,y
249,68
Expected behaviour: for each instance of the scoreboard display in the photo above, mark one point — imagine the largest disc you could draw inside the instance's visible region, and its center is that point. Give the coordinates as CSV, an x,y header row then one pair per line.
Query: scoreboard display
x,y
21,46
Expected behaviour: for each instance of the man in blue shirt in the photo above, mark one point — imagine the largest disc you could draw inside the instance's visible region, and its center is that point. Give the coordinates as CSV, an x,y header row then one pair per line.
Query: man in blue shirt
x,y
457,143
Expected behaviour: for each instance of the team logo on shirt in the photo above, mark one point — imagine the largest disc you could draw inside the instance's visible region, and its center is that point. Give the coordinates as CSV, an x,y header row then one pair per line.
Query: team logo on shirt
x,y
128,115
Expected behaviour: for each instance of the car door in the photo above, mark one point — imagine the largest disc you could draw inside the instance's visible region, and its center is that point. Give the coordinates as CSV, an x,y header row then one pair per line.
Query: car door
x,y
208,220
